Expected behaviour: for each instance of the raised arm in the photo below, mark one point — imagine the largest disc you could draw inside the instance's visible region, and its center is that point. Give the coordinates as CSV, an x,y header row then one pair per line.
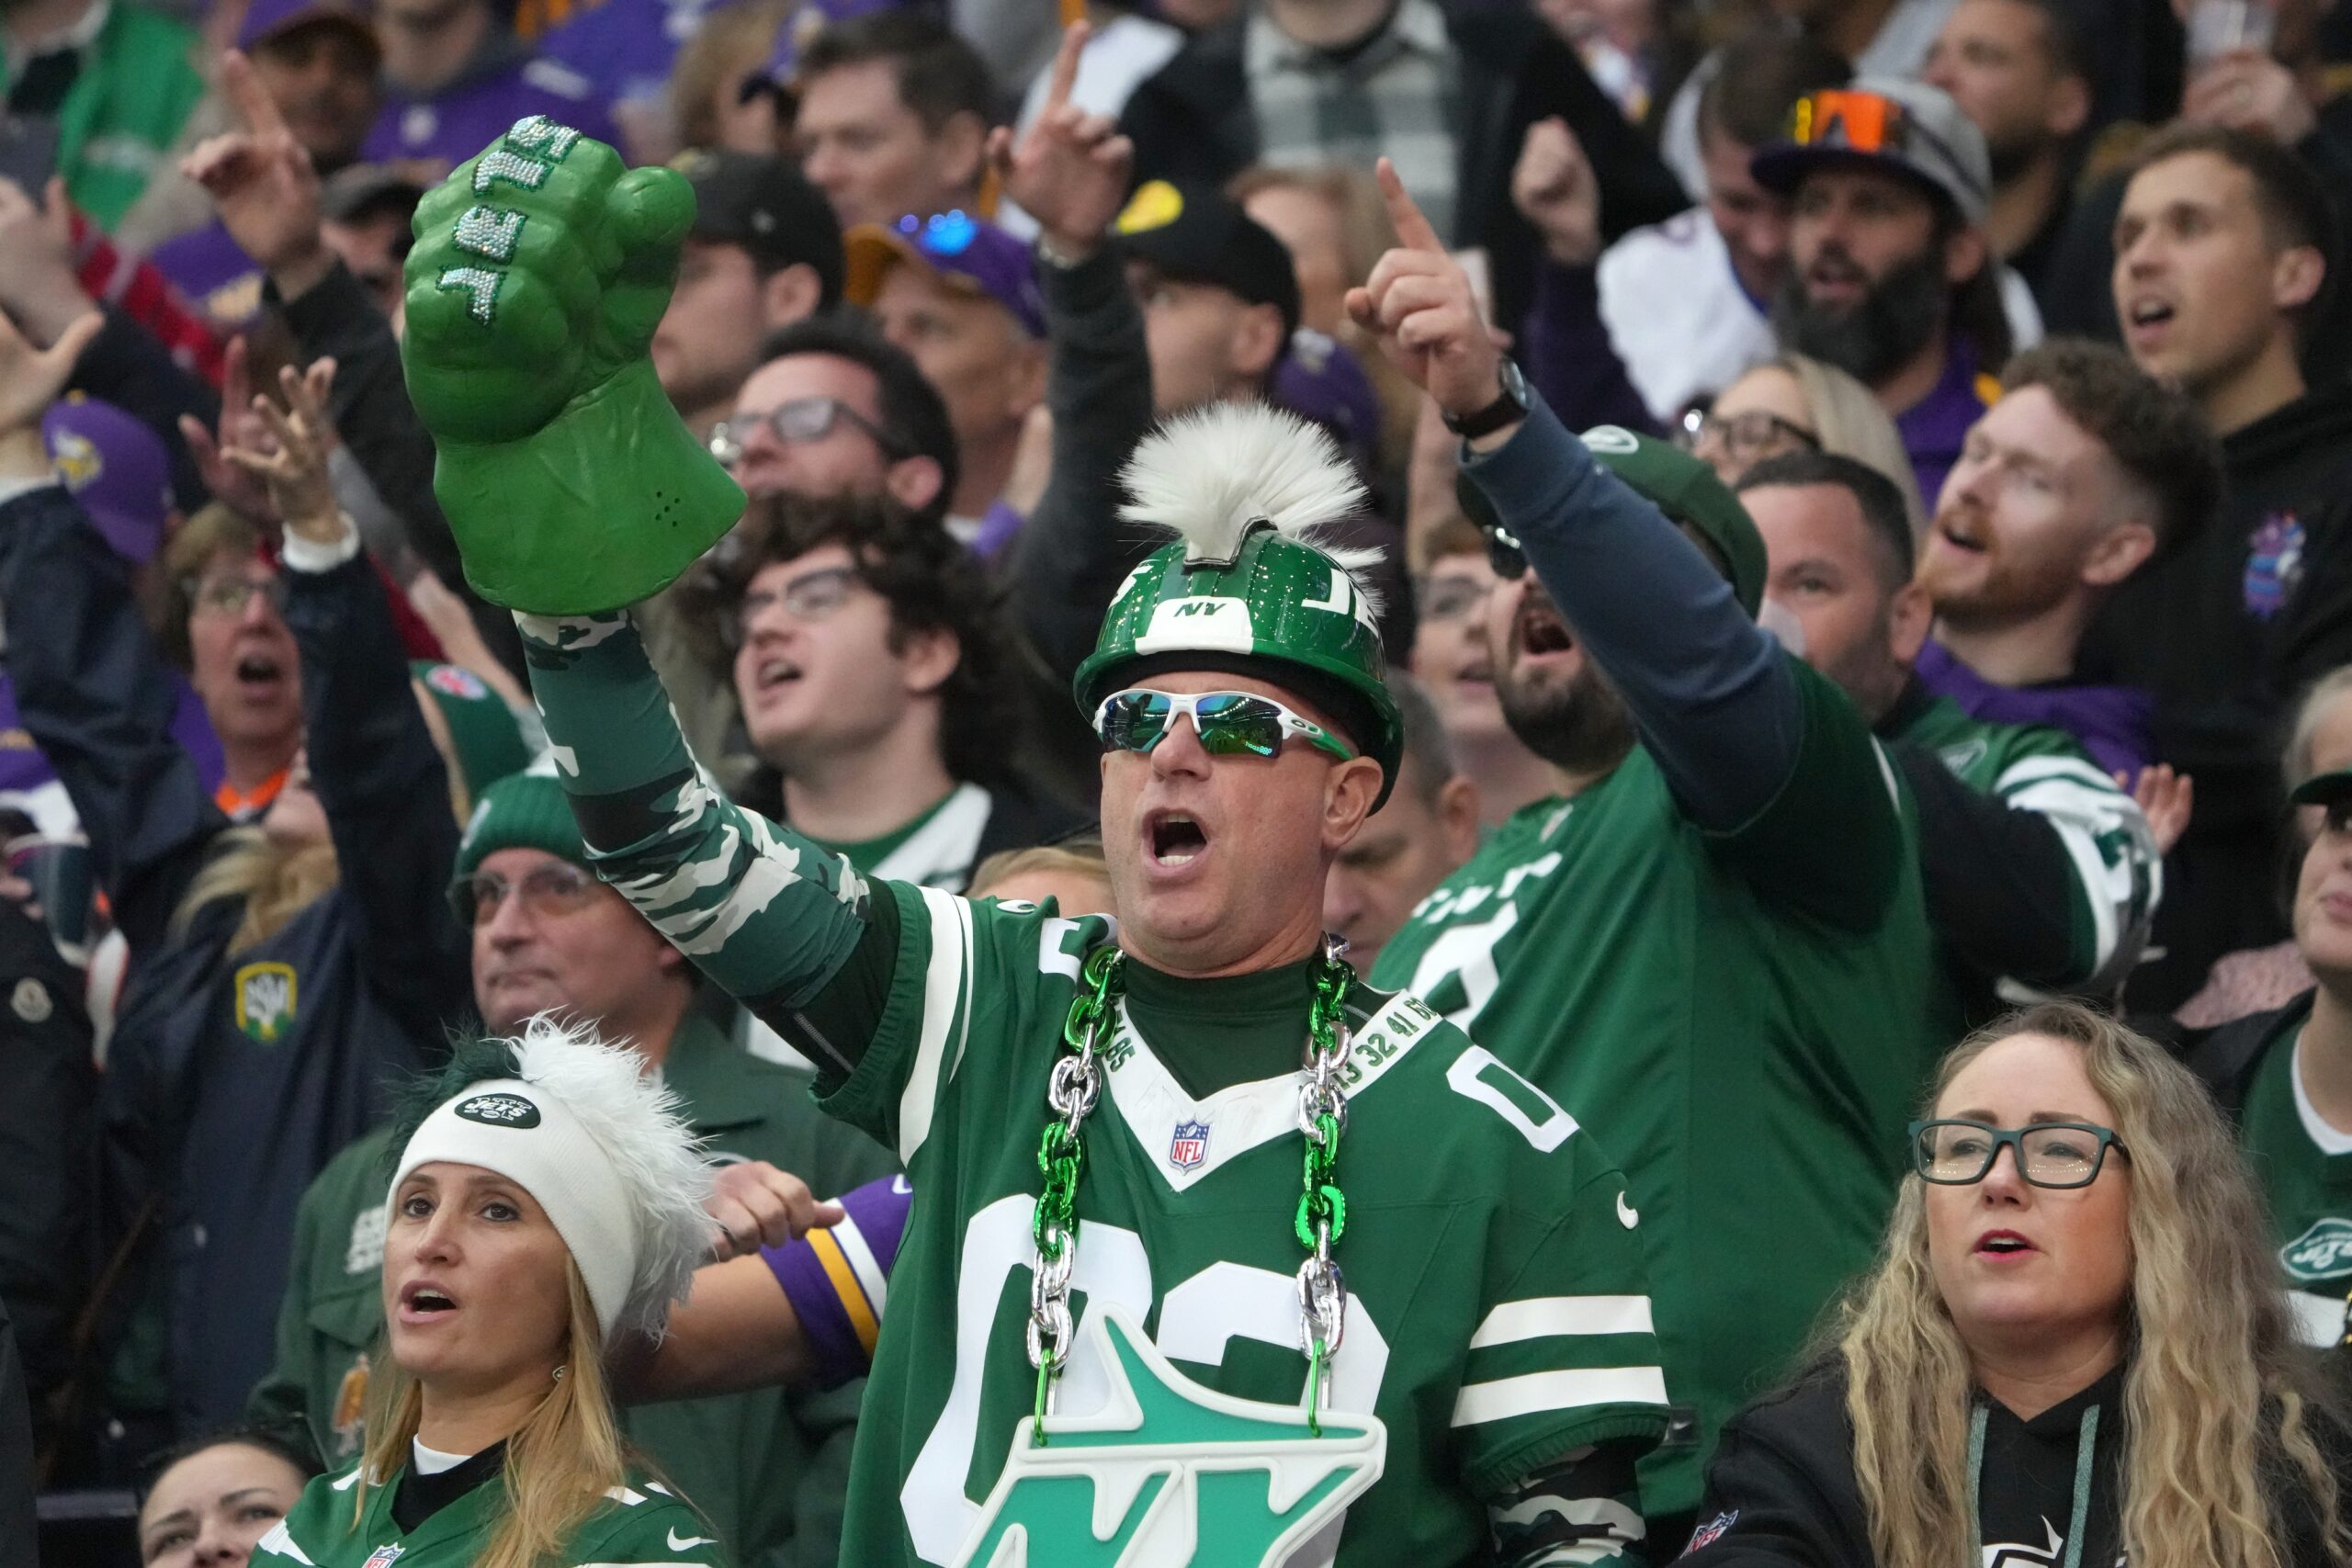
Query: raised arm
x,y
574,488
379,776
1759,751
1070,171
88,681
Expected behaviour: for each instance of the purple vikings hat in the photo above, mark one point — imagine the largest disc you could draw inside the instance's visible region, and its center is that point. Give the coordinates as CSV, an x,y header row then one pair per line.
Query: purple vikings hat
x,y
266,19
116,467
970,255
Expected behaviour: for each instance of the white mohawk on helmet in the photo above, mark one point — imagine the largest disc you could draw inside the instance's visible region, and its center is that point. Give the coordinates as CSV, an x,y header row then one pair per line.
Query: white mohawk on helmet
x,y
638,1125
1206,476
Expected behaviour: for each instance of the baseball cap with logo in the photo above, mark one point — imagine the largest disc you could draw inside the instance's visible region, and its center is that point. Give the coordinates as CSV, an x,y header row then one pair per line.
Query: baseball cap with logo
x,y
268,20
765,205
1676,483
1907,128
116,467
1198,234
968,255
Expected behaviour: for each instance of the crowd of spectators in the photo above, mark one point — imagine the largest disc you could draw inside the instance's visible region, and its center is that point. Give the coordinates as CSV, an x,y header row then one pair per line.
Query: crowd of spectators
x,y
1995,354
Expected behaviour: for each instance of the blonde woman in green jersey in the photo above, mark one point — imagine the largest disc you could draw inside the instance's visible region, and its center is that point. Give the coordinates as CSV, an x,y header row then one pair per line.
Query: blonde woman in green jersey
x,y
546,1202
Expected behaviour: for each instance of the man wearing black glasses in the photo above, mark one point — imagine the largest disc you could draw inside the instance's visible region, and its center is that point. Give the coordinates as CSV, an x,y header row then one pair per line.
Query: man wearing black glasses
x,y
766,1468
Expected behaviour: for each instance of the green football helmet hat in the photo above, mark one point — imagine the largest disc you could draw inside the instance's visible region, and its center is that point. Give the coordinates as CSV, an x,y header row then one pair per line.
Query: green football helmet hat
x,y
1246,587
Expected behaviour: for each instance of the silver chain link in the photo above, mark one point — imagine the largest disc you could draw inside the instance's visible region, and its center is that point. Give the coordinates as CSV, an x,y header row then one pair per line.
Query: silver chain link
x,y
1322,1287
1074,1087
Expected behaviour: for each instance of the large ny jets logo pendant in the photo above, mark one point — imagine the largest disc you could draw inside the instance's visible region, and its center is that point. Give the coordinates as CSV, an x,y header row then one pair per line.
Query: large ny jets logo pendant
x,y
1169,1474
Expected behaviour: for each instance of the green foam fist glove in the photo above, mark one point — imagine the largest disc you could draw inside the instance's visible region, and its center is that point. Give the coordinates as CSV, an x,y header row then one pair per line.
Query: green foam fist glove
x,y
540,271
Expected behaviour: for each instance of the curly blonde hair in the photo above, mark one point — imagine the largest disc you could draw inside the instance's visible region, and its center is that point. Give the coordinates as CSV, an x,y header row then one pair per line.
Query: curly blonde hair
x,y
2220,1401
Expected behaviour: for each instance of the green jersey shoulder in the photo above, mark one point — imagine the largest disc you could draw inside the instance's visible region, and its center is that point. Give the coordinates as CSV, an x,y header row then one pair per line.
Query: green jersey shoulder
x,y
640,1523
1498,1317
2118,872
2304,1164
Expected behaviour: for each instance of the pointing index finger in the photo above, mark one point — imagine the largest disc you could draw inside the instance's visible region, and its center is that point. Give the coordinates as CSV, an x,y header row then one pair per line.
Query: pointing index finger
x,y
256,110
1065,75
1413,231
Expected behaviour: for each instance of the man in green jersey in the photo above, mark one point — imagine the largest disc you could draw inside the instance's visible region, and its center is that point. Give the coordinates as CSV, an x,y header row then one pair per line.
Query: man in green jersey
x,y
2041,874
1166,1295
2288,1076
1712,938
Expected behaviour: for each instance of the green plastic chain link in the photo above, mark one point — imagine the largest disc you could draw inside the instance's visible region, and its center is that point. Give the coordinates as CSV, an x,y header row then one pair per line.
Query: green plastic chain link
x,y
1061,1152
1321,1201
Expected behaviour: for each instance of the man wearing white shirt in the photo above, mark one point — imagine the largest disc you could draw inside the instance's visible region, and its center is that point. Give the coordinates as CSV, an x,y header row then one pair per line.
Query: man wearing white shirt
x,y
1688,301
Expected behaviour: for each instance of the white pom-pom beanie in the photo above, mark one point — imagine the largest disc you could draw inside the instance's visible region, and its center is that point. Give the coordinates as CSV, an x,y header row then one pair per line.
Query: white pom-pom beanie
x,y
601,1148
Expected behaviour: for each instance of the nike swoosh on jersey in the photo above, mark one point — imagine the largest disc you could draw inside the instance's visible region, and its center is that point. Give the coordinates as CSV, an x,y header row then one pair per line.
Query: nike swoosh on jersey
x,y
1627,1215
677,1545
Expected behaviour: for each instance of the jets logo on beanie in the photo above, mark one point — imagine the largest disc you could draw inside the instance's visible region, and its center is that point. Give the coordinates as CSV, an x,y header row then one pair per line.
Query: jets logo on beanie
x,y
574,1122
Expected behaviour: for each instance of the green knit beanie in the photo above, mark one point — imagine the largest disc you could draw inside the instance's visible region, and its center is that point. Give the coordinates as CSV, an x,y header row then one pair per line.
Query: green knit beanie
x,y
483,730
522,811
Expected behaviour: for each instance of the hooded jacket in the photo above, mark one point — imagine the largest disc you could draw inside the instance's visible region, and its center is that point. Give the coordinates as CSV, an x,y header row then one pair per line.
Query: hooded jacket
x,y
2225,630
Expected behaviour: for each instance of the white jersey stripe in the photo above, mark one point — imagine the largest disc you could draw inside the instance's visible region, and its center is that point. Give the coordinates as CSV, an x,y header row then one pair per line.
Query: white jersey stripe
x,y
1544,1316
862,1263
2072,769
1563,1389
942,988
279,1543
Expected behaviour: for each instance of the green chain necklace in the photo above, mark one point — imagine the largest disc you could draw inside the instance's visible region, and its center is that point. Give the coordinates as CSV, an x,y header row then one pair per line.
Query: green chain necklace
x,y
1071,1091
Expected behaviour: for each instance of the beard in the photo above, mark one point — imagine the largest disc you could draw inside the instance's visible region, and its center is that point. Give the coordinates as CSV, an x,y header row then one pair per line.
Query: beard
x,y
1579,726
1870,340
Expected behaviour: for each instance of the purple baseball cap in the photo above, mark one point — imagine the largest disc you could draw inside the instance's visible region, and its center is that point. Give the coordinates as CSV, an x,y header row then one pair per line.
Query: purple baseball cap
x,y
266,19
116,467
1320,380
970,256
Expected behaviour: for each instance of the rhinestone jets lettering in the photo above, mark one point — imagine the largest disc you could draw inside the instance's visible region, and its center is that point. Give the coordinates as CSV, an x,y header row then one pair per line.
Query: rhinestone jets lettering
x,y
528,152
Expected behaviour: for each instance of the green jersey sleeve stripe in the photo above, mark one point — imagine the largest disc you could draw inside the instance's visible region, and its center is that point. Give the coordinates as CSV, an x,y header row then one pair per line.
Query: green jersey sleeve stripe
x,y
1544,1317
1507,1398
946,983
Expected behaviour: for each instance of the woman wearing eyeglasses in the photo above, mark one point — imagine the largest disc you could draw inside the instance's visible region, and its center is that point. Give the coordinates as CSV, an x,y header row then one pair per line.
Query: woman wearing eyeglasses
x,y
2074,1350
1797,404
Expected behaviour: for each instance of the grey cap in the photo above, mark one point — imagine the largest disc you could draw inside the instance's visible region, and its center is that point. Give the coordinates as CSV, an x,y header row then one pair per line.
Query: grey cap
x,y
1927,138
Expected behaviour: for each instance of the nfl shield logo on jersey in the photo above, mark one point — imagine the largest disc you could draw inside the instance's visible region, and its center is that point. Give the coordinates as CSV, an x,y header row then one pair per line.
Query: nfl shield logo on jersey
x,y
1708,1533
382,1557
1190,1146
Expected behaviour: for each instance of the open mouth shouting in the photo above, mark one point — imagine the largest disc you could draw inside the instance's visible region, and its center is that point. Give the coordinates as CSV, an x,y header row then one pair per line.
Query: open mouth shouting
x,y
1539,633
2148,317
1174,841
423,1302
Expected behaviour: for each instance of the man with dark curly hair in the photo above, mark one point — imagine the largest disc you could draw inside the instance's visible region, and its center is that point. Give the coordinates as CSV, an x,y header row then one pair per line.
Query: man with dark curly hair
x,y
878,687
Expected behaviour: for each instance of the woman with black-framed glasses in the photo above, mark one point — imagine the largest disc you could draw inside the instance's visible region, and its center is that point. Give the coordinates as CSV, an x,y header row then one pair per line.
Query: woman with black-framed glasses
x,y
2074,1349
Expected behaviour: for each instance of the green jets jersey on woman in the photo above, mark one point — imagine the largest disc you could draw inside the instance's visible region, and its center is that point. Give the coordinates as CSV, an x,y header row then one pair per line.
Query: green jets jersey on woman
x,y
1498,1322
2305,1168
1750,1015
643,1525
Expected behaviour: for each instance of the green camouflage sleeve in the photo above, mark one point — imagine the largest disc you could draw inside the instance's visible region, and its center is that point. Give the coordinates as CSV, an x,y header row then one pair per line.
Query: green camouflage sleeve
x,y
1585,1510
759,909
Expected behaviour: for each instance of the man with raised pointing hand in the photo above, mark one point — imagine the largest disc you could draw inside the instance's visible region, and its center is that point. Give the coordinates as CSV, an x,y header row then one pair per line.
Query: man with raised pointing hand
x,y
1144,1286
1712,938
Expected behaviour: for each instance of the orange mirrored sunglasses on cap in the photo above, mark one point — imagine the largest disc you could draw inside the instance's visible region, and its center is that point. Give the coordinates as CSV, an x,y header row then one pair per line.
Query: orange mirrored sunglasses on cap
x,y
1840,117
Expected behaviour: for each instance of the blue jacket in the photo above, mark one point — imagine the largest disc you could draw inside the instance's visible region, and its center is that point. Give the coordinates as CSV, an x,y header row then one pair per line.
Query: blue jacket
x,y
232,1077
